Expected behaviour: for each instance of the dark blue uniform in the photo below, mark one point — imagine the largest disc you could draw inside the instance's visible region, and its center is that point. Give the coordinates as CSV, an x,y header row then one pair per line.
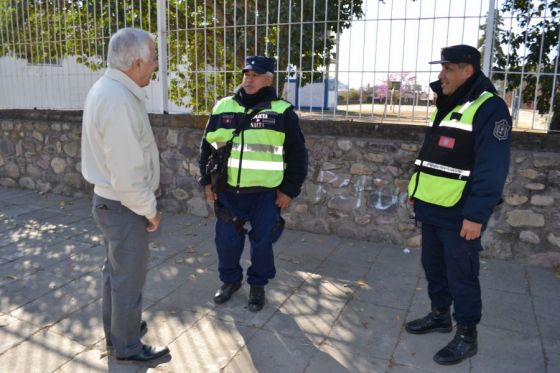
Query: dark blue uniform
x,y
255,205
451,263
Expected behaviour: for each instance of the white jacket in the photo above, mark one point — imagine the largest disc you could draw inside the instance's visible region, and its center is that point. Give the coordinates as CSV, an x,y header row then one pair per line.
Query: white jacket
x,y
119,152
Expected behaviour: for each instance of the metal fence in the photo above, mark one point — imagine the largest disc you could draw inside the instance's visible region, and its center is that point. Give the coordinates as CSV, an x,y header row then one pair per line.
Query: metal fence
x,y
361,59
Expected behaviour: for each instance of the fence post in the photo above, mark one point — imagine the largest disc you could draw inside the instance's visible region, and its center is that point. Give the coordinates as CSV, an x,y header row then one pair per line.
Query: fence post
x,y
162,53
487,64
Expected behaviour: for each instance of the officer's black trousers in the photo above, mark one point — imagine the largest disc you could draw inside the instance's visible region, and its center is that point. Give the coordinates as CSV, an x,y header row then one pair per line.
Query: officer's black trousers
x,y
260,210
452,266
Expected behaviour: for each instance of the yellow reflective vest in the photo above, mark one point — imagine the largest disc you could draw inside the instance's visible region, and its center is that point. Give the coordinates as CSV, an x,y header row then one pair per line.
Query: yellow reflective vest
x,y
446,159
257,155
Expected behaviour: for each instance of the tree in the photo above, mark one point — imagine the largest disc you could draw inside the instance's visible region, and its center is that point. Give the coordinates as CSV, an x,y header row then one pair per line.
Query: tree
x,y
535,46
207,39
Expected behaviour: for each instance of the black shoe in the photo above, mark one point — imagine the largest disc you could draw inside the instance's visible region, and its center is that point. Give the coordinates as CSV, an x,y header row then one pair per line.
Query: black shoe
x,y
143,331
462,346
146,354
256,298
225,292
439,320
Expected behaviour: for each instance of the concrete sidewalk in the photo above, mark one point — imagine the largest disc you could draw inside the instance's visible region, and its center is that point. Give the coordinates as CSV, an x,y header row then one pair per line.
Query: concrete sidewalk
x,y
337,305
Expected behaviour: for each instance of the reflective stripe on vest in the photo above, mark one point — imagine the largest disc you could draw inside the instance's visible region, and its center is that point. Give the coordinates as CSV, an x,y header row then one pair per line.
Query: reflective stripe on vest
x,y
445,190
450,170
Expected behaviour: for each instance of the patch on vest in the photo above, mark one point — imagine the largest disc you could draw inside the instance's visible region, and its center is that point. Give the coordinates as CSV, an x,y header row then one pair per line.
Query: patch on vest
x,y
226,119
501,130
446,142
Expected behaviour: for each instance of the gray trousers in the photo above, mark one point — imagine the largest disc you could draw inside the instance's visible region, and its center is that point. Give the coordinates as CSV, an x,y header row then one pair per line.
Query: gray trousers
x,y
124,273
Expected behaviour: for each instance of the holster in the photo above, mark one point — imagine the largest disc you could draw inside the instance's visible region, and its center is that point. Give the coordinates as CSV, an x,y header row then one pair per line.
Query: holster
x,y
217,167
226,215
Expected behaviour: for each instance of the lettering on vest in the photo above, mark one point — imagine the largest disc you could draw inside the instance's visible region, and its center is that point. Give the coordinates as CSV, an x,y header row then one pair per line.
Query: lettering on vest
x,y
263,119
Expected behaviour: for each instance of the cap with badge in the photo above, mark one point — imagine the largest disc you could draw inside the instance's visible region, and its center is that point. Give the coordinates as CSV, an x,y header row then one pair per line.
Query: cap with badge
x,y
259,64
459,54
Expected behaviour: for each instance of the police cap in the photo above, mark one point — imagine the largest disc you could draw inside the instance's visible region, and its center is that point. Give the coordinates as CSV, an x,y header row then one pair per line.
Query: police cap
x,y
459,54
259,64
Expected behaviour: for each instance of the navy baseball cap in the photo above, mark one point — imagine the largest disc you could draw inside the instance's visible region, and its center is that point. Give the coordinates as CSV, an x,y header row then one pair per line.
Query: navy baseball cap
x,y
259,64
459,54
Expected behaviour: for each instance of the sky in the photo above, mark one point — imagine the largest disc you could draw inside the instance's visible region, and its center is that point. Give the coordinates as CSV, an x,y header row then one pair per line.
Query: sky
x,y
404,35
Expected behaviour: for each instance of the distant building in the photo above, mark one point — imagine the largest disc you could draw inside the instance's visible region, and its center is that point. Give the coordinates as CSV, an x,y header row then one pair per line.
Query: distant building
x,y
313,96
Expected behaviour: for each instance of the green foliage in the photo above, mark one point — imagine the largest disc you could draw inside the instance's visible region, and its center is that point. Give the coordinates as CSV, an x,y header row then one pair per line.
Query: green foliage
x,y
207,40
534,46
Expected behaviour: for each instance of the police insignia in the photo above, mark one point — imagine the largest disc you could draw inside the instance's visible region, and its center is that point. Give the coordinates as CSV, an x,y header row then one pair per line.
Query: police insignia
x,y
501,130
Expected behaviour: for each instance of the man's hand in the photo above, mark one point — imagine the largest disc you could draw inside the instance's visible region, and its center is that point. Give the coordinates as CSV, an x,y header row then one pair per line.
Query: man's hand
x,y
470,230
210,195
282,200
153,223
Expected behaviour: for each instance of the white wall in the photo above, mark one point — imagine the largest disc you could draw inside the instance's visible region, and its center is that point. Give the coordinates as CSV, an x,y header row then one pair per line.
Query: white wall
x,y
62,87
310,95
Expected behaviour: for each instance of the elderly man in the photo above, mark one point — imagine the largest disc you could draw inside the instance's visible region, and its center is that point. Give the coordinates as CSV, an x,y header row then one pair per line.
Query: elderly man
x,y
460,174
121,159
261,166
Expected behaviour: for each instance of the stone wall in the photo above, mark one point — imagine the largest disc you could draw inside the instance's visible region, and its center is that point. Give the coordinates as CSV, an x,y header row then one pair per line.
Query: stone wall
x,y
356,185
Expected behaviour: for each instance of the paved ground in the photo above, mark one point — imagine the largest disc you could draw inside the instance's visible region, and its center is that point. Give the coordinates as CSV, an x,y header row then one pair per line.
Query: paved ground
x,y
337,305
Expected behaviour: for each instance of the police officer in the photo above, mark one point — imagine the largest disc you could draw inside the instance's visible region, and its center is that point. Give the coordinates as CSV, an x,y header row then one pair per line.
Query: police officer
x,y
459,177
265,169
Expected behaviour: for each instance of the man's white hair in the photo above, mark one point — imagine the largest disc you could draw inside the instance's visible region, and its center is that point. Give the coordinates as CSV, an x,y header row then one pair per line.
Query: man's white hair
x,y
127,45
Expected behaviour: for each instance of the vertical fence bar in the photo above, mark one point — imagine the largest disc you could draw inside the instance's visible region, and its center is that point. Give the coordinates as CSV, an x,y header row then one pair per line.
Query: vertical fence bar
x,y
266,42
245,47
337,59
348,72
300,67
278,32
325,66
402,62
415,93
363,62
288,63
162,53
214,42
187,59
375,61
554,82
256,27
225,53
205,54
539,66
18,34
312,24
489,39
195,47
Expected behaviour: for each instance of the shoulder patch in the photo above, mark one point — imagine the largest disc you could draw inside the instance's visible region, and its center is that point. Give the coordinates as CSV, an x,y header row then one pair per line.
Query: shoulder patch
x,y
502,129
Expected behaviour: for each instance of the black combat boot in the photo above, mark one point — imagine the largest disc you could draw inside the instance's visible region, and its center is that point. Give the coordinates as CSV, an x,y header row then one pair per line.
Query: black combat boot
x,y
439,320
256,298
462,346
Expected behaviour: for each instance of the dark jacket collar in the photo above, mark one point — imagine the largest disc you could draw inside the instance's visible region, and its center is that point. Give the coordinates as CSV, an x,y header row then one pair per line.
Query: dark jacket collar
x,y
257,100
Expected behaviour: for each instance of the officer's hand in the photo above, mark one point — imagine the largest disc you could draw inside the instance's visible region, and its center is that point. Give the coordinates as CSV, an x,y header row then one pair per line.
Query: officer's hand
x,y
153,223
282,200
210,195
470,230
